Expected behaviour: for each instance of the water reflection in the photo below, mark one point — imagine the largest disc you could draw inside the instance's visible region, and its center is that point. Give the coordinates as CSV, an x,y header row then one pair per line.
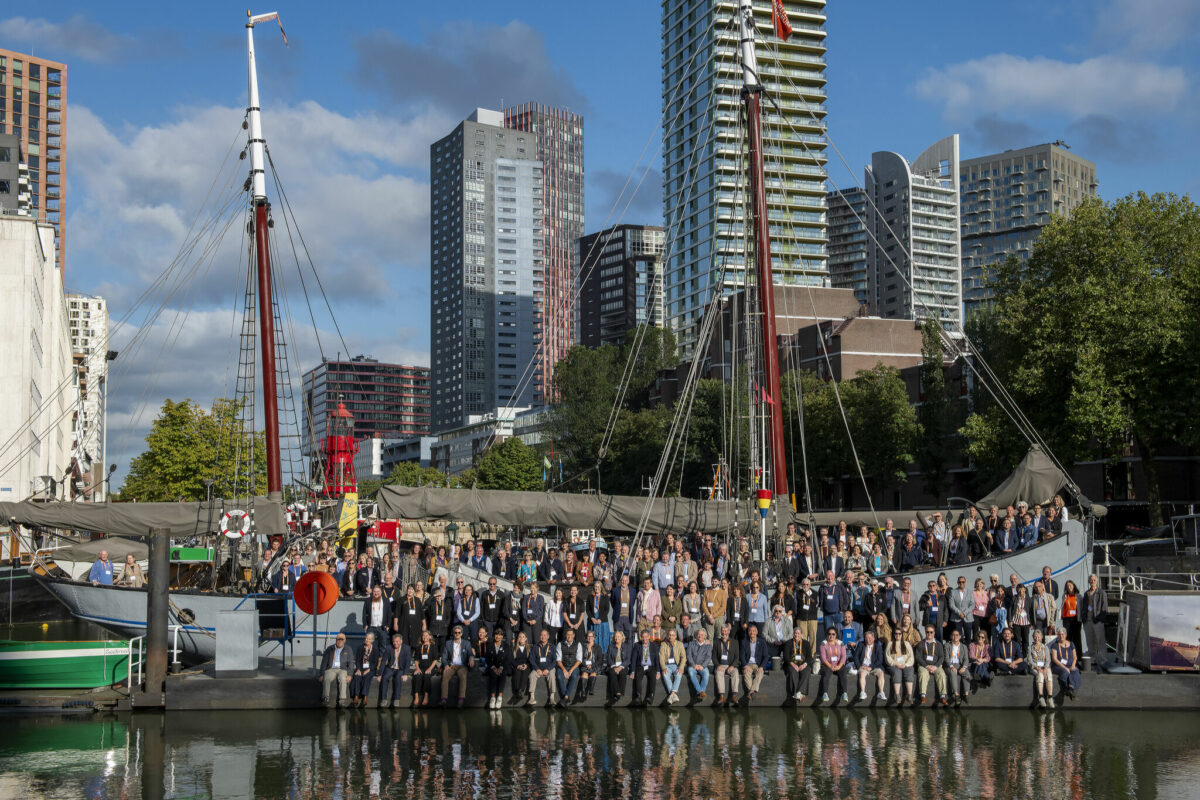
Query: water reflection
x,y
594,754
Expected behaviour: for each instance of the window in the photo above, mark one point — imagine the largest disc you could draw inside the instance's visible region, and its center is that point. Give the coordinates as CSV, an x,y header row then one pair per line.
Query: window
x,y
5,154
5,187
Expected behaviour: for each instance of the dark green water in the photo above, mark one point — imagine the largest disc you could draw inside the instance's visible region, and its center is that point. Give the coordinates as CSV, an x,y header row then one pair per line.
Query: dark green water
x,y
593,754
63,630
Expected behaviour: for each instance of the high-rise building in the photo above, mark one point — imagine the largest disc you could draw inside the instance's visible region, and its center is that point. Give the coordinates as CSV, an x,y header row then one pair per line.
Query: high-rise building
x,y
389,400
488,270
39,391
705,187
848,240
559,143
87,320
33,107
14,177
914,212
620,282
1007,199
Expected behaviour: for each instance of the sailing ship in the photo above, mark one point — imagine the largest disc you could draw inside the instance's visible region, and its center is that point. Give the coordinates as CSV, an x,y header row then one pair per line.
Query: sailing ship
x,y
764,514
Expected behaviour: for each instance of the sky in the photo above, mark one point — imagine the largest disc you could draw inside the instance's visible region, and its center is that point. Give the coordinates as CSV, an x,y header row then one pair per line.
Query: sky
x,y
156,94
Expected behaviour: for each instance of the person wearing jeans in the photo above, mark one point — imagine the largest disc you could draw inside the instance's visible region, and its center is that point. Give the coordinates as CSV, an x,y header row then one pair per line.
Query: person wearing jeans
x,y
672,659
699,654
568,662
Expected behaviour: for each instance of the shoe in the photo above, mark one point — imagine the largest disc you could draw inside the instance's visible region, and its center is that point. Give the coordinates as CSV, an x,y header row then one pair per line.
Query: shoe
x,y
673,698
862,695
608,703
720,699
943,701
1041,702
796,695
881,696
966,698
442,703
920,701
1071,694
825,697
845,699
462,701
702,695
1050,702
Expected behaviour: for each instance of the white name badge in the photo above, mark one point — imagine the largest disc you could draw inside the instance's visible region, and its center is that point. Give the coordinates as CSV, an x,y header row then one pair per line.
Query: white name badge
x,y
724,656
710,604
833,659
980,608
412,612
438,617
737,615
491,605
670,661
1039,664
929,659
805,606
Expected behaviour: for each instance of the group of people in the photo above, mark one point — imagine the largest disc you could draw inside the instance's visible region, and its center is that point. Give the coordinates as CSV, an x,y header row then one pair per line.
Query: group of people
x,y
696,611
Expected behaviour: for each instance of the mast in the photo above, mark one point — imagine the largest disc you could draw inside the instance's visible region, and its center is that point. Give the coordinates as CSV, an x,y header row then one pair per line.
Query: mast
x,y
751,96
266,317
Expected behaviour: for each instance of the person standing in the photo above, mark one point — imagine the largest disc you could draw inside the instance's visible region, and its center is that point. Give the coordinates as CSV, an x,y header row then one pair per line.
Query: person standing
x,y
336,665
599,611
1092,611
131,574
377,614
491,604
1069,609
533,612
101,573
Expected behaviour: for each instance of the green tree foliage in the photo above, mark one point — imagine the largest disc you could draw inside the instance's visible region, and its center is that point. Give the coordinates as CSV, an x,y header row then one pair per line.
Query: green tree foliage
x,y
404,474
510,465
187,445
935,414
1096,337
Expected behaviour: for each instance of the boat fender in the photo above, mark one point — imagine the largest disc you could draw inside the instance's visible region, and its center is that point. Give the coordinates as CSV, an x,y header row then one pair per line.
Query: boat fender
x,y
235,523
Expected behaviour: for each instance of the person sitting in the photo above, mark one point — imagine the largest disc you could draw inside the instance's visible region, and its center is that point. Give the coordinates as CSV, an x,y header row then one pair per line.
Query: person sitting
x,y
645,670
754,659
870,659
1039,665
397,662
929,659
899,655
672,660
616,662
568,664
457,660
1008,658
981,659
957,666
1064,663
366,668
131,574
798,660
699,655
726,665
336,665
834,665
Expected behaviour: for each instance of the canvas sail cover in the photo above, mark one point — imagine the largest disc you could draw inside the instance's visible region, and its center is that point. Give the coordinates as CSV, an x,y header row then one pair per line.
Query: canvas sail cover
x,y
137,519
1035,480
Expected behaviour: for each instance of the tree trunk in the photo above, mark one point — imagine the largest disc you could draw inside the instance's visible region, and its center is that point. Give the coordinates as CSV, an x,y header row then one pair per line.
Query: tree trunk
x,y
1149,453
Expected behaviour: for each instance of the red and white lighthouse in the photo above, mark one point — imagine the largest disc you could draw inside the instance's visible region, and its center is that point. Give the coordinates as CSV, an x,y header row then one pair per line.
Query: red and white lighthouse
x,y
339,450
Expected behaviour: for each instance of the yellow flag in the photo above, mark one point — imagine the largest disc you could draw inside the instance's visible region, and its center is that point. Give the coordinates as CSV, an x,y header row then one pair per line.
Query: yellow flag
x,y
348,515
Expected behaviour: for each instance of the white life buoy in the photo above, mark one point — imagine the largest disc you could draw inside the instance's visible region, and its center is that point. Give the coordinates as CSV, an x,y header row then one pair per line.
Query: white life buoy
x,y
235,523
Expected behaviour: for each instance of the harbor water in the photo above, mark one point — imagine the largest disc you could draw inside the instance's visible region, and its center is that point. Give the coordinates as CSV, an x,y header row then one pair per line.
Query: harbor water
x,y
595,754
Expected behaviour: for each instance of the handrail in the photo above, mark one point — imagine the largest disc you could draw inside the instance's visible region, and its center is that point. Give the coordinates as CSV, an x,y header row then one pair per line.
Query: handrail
x,y
137,657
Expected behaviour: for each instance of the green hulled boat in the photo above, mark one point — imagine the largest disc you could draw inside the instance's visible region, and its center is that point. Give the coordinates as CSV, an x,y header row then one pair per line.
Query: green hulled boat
x,y
63,665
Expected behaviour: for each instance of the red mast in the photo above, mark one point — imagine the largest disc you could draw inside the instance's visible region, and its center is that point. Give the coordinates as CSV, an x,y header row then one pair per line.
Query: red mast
x,y
751,96
262,252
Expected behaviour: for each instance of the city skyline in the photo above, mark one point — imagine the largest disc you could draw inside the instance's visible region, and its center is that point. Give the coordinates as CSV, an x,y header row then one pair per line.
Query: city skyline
x,y
351,131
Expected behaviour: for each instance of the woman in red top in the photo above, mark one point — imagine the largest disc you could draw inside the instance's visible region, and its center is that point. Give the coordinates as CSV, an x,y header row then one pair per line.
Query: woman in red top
x,y
1070,614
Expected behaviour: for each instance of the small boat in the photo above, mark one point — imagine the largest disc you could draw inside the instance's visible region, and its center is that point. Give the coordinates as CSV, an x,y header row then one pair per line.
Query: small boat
x,y
63,665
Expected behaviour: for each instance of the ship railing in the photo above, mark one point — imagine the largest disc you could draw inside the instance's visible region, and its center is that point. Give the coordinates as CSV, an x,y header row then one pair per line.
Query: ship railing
x,y
137,656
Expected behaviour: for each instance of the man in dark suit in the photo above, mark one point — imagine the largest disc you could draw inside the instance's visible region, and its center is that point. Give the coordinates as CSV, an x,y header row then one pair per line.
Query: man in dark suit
x,y
727,665
835,563
491,605
397,663
366,577
550,572
754,661
645,670
868,655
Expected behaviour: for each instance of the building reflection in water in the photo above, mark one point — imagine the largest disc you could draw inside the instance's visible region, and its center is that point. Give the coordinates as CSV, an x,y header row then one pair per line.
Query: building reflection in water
x,y
683,753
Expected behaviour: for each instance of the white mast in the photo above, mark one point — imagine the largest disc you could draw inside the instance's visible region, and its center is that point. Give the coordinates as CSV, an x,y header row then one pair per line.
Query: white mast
x,y
258,175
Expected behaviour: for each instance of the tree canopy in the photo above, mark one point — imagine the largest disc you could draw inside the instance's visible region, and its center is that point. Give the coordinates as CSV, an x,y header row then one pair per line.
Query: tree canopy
x,y
1096,337
511,465
188,445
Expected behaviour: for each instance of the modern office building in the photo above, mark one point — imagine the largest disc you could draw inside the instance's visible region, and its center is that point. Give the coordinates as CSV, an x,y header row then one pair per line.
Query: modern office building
x,y
87,322
704,179
33,107
391,400
39,392
14,177
1007,199
914,269
848,240
559,147
460,448
620,282
488,270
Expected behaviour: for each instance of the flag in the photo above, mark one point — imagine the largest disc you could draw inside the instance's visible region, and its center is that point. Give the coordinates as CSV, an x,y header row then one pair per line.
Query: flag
x,y
779,18
546,462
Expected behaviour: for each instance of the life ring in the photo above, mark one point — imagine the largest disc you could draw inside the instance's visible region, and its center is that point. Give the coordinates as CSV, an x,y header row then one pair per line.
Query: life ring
x,y
235,523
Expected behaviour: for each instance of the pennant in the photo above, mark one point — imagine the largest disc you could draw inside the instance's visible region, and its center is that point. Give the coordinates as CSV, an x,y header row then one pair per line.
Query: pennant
x,y
779,18
546,462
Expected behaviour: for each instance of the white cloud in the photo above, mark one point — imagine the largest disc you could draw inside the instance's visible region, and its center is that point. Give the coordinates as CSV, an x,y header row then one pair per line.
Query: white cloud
x,y
1150,26
75,36
1110,85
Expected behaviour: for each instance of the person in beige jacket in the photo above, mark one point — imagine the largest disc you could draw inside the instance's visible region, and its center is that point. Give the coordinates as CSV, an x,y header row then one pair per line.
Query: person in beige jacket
x,y
672,659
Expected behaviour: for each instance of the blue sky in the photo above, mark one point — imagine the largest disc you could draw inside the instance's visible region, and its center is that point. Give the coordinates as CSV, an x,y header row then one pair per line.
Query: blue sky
x,y
156,94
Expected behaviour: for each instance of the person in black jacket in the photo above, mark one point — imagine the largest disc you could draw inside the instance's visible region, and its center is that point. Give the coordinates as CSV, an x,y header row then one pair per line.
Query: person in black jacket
x,y
439,613
377,615
645,670
491,604
336,665
593,665
366,668
397,663
497,662
617,663
519,668
798,658
727,665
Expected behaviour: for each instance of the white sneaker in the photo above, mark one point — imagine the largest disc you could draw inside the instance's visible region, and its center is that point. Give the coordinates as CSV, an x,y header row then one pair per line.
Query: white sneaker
x,y
797,696
862,695
882,696
674,698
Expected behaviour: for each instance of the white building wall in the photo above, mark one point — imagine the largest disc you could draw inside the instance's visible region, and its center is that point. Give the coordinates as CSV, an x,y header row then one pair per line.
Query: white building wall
x,y
39,393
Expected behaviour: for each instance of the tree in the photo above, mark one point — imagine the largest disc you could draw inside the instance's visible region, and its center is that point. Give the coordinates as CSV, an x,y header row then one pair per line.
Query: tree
x,y
934,413
1096,337
510,465
188,445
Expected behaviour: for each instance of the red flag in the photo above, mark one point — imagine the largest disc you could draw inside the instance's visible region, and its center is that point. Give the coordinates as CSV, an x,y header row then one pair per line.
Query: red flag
x,y
779,18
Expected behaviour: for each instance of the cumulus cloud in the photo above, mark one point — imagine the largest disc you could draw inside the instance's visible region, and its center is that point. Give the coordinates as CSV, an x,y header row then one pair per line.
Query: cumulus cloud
x,y
77,37
1001,83
466,65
